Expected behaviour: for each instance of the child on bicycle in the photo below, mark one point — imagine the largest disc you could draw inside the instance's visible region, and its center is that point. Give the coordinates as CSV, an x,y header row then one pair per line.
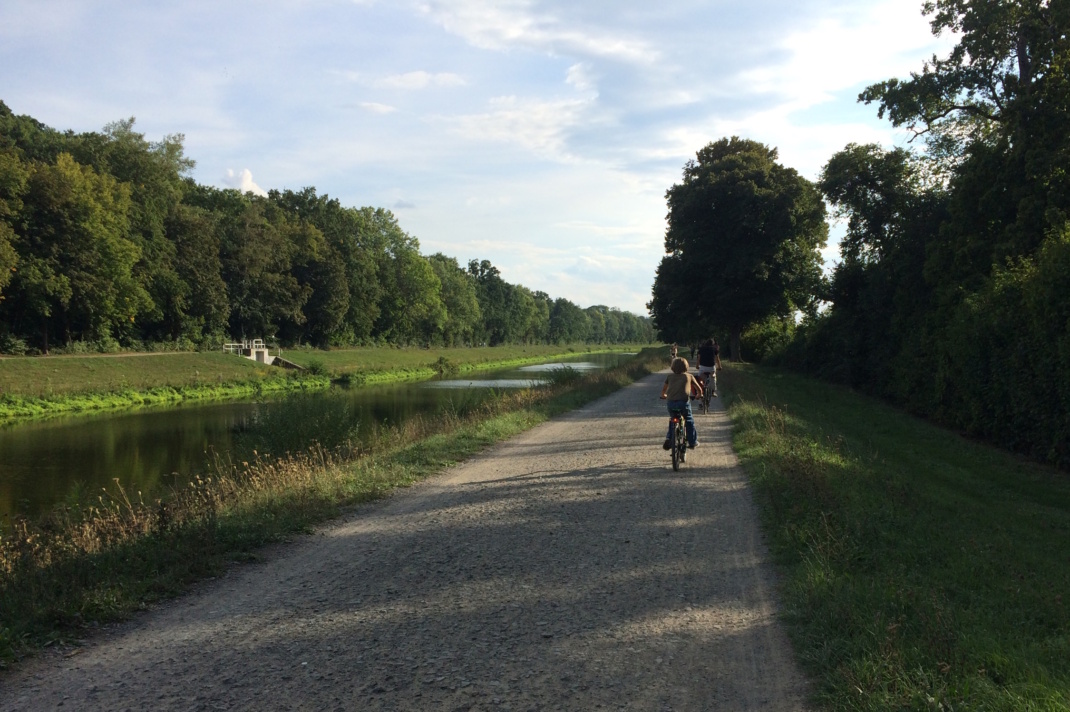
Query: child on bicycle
x,y
680,386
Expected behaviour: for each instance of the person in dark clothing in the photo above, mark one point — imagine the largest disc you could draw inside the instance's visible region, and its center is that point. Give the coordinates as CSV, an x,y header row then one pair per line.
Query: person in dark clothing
x,y
709,362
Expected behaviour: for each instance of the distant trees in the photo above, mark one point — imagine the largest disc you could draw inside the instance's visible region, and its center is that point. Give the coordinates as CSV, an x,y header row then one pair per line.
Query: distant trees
x,y
105,242
743,243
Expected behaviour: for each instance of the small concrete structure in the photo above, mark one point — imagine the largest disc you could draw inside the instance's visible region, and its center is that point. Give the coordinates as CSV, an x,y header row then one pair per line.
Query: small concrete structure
x,y
253,349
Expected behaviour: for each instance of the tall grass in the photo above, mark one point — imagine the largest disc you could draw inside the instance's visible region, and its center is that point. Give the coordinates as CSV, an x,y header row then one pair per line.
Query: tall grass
x,y
922,571
85,565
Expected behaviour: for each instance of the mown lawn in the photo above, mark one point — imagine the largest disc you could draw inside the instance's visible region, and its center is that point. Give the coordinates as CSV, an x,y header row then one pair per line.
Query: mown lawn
x,y
51,376
416,360
921,571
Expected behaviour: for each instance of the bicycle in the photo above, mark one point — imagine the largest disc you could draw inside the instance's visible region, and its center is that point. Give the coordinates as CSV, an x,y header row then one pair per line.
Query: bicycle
x,y
706,393
679,443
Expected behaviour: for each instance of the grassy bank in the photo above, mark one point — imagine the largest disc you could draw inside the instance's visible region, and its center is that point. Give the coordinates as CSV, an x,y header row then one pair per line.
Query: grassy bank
x,y
79,568
921,571
59,376
383,365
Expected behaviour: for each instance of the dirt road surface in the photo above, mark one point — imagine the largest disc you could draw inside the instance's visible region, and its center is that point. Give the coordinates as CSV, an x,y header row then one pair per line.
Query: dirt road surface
x,y
567,569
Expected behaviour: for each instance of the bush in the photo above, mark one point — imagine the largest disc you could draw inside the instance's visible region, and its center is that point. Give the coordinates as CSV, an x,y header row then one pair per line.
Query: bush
x,y
316,367
444,367
770,336
1006,371
13,345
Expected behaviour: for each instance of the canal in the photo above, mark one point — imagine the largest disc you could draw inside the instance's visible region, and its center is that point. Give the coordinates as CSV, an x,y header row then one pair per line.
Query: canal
x,y
149,450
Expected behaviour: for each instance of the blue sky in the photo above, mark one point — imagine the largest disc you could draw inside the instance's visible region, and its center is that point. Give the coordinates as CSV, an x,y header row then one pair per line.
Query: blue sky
x,y
539,134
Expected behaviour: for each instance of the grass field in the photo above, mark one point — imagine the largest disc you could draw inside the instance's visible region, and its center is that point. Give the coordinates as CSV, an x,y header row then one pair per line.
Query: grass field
x,y
390,363
921,571
52,376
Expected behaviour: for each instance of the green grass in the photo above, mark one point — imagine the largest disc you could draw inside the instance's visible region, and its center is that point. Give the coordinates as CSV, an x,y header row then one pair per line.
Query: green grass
x,y
55,376
921,571
379,364
84,566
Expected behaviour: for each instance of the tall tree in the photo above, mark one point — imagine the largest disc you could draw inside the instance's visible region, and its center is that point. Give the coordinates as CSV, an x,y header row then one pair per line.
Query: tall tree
x,y
459,298
411,303
13,177
999,105
77,256
202,309
357,240
153,171
743,242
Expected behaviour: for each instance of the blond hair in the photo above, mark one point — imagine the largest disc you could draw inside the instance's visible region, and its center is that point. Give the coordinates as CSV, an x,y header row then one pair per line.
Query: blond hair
x,y
679,365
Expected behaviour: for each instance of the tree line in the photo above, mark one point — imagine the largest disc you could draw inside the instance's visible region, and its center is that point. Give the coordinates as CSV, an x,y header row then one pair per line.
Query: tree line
x,y
952,293
106,243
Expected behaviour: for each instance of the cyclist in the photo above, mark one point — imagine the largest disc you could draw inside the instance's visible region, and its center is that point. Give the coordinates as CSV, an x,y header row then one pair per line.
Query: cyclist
x,y
679,387
709,362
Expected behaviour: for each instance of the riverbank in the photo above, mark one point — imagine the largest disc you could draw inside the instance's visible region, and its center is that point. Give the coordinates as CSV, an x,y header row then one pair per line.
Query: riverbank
x,y
920,570
41,387
85,567
390,365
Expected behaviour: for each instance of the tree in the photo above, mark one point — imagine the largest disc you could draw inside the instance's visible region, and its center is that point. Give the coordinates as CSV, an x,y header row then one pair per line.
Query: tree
x,y
357,239
13,177
153,172
999,107
411,302
568,323
458,292
203,310
743,243
77,257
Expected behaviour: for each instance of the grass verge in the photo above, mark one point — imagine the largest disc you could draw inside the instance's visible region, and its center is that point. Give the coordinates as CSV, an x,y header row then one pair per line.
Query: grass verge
x,y
921,571
13,408
81,567
373,365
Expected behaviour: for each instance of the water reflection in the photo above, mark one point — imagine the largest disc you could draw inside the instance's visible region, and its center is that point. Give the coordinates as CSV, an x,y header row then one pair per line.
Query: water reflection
x,y
151,449
487,383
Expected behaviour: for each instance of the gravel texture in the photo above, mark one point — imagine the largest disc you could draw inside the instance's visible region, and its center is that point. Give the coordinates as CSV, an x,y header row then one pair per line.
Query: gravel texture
x,y
567,569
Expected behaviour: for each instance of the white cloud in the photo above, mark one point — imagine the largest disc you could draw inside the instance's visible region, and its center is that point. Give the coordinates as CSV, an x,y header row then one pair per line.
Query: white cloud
x,y
243,181
581,77
866,44
420,80
503,24
540,126
377,108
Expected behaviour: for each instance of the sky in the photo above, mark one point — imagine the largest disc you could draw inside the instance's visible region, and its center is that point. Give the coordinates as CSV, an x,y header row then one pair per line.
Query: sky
x,y
538,134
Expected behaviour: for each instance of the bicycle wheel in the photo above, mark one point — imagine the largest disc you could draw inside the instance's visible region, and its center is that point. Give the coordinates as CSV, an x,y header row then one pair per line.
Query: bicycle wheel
x,y
677,439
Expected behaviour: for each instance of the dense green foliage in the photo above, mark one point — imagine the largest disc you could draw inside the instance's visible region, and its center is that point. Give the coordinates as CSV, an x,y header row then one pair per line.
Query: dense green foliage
x,y
920,570
743,244
952,296
106,243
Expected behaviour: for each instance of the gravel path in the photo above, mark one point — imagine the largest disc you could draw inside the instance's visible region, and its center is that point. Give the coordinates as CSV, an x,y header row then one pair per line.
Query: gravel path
x,y
567,569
